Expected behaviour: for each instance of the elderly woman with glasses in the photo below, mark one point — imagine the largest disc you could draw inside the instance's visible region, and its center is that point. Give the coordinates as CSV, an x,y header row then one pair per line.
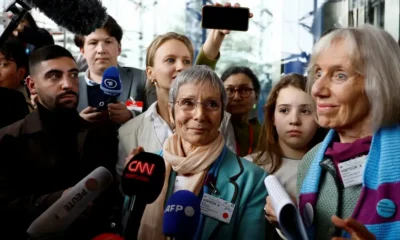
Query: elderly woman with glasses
x,y
197,151
349,184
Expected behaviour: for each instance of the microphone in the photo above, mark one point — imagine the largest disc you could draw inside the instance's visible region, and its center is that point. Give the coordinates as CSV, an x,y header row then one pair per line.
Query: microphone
x,y
69,206
111,86
142,180
108,236
78,16
181,215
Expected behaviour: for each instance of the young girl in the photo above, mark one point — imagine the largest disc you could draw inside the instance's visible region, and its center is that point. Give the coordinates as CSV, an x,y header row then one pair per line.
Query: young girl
x,y
288,132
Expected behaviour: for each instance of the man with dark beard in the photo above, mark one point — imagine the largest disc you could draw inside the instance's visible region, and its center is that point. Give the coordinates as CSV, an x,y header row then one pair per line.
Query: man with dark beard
x,y
52,149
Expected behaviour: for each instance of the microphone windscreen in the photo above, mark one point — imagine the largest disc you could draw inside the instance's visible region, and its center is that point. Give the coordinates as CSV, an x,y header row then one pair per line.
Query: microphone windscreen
x,y
144,176
181,215
111,83
71,204
78,16
108,236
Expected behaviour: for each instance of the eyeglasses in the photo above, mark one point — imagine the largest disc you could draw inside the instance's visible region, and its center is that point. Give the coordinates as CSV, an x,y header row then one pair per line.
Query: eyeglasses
x,y
190,104
244,92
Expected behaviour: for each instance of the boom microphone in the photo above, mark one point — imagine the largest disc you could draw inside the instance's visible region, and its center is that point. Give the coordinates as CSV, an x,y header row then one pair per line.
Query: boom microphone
x,y
111,86
68,208
181,215
142,180
78,16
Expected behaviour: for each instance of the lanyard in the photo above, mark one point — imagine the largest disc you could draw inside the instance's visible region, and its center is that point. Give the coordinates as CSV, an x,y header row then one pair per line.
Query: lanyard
x,y
251,141
210,181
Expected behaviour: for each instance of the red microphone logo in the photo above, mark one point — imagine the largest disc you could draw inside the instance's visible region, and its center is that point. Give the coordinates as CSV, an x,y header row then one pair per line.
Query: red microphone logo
x,y
136,166
139,170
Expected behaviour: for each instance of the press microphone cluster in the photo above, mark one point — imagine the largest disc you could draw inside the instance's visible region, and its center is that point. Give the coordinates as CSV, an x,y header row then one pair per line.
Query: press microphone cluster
x,y
142,180
181,215
111,85
67,209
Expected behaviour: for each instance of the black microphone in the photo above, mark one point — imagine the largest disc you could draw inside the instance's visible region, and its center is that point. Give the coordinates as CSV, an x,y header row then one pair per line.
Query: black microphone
x,y
77,16
18,15
142,180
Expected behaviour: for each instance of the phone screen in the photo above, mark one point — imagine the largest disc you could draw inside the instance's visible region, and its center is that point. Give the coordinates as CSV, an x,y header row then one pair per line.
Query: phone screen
x,y
226,18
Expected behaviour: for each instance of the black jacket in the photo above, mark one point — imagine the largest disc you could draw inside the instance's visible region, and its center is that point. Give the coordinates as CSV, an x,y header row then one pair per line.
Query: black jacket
x,y
13,106
38,162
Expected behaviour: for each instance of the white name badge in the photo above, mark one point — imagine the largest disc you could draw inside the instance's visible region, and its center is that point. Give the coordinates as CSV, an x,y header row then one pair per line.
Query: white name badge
x,y
217,208
352,171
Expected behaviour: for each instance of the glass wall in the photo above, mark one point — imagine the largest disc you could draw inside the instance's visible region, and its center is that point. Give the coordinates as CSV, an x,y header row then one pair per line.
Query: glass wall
x,y
279,39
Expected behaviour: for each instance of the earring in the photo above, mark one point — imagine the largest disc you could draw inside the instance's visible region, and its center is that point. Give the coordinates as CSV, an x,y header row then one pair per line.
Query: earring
x,y
255,106
154,82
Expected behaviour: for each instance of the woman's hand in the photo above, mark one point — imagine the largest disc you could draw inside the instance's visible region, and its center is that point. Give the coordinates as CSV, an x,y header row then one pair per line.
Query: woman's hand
x,y
357,230
270,214
216,36
133,153
228,4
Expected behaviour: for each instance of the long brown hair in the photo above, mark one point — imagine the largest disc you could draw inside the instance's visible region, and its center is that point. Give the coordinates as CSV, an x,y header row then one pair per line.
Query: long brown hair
x,y
268,144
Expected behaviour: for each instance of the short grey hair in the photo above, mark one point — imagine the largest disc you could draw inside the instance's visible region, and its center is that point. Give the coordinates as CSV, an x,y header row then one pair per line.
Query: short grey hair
x,y
197,74
375,55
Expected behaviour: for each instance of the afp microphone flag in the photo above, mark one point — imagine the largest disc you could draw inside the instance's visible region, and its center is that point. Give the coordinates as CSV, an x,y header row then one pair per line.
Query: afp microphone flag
x,y
181,215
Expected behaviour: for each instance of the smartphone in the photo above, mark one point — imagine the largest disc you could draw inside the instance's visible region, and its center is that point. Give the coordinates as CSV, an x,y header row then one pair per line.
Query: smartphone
x,y
226,18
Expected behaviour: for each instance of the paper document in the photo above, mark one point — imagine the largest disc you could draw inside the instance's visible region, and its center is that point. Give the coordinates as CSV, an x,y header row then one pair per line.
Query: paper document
x,y
288,216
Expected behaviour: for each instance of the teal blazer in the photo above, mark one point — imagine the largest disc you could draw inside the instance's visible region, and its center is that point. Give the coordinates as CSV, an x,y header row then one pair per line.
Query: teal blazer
x,y
242,183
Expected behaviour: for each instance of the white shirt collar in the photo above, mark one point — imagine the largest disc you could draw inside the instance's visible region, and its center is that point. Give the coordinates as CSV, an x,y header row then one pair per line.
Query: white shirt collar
x,y
89,81
152,111
162,129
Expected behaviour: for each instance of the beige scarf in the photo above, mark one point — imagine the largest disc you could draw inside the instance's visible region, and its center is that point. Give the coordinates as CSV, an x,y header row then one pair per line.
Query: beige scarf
x,y
195,163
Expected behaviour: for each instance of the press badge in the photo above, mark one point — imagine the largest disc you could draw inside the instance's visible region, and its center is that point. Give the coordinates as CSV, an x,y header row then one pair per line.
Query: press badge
x,y
133,105
217,208
352,171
